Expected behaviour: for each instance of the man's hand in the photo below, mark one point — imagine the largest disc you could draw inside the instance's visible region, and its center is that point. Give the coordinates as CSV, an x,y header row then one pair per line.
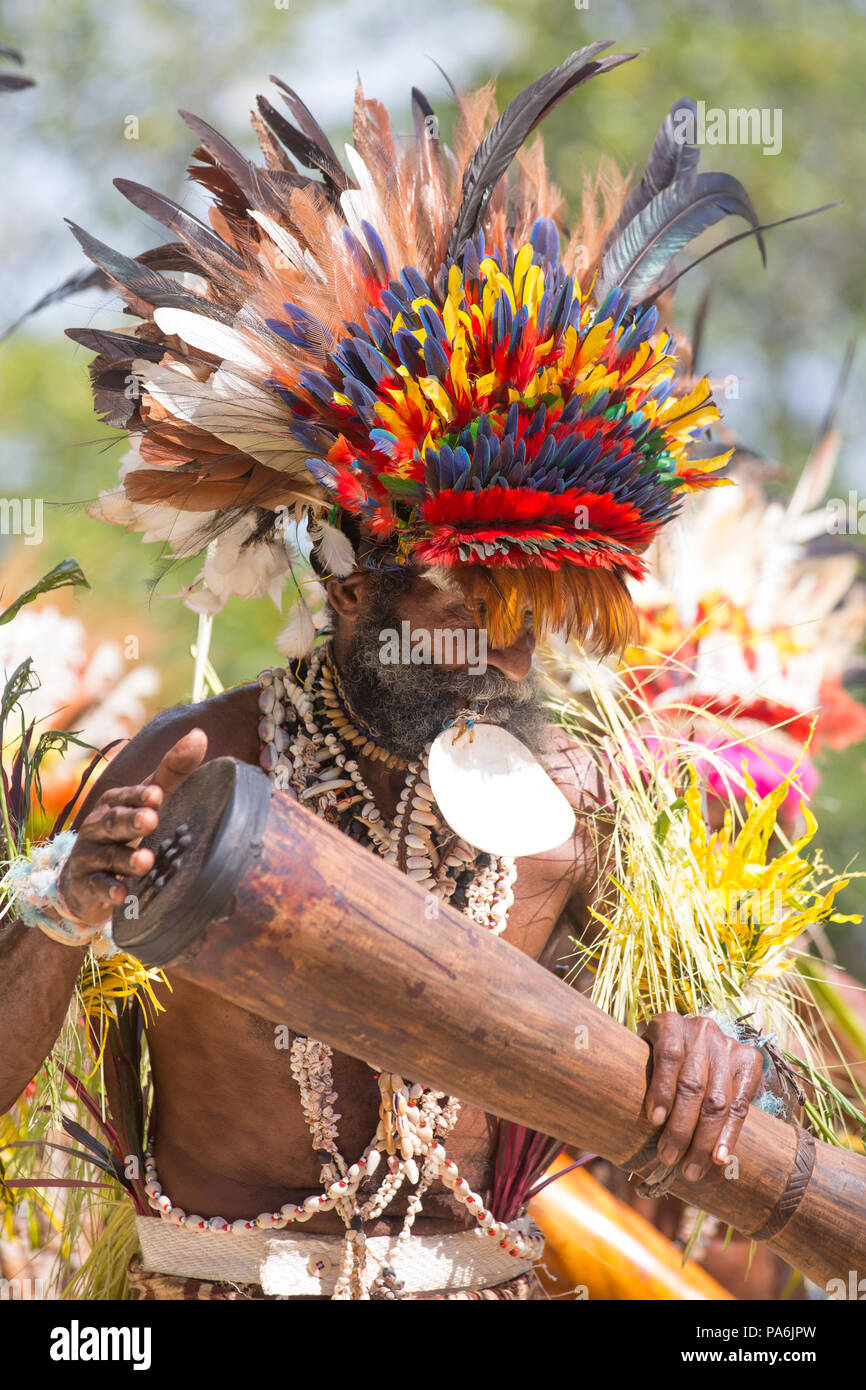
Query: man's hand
x,y
702,1084
106,848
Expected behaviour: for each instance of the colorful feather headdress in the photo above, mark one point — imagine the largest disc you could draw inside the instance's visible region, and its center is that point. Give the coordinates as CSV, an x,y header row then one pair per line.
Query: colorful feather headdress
x,y
406,353
740,617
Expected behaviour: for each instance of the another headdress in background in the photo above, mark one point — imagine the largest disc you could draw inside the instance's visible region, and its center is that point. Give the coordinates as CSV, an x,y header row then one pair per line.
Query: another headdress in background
x,y
754,614
406,353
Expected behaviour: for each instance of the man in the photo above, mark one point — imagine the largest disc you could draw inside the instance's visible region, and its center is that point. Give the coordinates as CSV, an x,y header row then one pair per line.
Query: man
x,y
230,1136
484,451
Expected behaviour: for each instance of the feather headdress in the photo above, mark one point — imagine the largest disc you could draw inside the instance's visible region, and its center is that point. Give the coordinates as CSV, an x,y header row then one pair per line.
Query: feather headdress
x,y
399,348
741,617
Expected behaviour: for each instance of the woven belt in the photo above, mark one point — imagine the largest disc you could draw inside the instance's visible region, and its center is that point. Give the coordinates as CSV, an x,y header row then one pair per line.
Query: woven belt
x,y
291,1265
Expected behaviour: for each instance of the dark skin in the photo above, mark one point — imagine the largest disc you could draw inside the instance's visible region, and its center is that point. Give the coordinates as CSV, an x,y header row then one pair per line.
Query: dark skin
x,y
230,1138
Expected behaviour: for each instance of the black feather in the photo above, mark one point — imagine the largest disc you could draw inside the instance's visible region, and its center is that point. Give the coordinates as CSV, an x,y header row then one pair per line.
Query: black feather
x,y
84,279
424,118
669,222
741,236
172,255
166,211
279,126
300,145
146,284
318,141
832,410
421,105
247,177
669,159
116,346
518,120
699,329
113,402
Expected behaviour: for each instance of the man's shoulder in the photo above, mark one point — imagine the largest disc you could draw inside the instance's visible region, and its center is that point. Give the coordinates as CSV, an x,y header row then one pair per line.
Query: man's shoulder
x,y
229,720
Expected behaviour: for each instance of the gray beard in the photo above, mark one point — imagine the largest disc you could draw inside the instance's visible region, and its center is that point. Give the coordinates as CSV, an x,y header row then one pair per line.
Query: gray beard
x,y
409,705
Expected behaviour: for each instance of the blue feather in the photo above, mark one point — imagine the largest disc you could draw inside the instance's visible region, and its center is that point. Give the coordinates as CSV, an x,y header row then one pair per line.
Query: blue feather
x,y
435,358
545,239
377,250
415,284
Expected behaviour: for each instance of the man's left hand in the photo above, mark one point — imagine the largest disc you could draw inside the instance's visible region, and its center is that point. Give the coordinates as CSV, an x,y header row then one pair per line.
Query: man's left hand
x,y
702,1084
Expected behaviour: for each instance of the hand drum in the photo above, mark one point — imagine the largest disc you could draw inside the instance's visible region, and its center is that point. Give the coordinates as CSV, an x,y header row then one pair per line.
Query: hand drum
x,y
208,838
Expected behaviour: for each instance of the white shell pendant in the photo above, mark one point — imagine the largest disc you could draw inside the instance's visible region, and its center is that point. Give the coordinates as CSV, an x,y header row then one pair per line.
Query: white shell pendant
x,y
495,794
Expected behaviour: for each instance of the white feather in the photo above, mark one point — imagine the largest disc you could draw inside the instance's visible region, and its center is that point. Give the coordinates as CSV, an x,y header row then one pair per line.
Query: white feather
x,y
817,475
290,247
335,551
209,336
230,407
362,202
443,578
299,633
283,240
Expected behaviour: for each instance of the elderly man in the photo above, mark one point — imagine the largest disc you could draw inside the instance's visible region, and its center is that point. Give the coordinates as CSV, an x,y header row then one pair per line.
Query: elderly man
x,y
230,1133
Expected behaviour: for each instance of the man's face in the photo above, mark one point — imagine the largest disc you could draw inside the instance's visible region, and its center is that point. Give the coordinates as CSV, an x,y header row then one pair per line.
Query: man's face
x,y
418,655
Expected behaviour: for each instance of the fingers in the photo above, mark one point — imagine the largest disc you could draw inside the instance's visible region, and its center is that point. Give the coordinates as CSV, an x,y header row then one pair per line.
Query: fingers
x,y
129,814
746,1082
685,1112
714,1110
180,760
665,1036
91,896
108,847
701,1086
109,858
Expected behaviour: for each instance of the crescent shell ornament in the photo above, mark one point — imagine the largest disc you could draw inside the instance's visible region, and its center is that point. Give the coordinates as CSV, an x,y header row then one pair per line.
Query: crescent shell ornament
x,y
495,794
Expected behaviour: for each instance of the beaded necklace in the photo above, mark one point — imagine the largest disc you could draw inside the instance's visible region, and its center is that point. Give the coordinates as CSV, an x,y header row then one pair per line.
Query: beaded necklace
x,y
307,729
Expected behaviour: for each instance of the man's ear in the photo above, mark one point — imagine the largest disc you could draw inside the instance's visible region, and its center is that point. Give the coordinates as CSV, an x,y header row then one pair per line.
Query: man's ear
x,y
347,596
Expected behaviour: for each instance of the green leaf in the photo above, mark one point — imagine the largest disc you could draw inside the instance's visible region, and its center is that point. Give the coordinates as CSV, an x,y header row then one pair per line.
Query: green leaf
x,y
23,681
663,819
67,573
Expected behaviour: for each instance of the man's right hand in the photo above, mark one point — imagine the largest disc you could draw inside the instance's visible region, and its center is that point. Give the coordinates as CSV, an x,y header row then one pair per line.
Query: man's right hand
x,y
108,838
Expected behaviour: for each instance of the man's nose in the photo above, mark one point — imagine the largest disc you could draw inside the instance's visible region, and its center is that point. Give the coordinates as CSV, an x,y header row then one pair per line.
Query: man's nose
x,y
515,660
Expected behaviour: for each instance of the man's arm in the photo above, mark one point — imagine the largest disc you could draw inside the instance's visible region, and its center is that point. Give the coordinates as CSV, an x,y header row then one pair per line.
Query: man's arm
x,y
37,973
